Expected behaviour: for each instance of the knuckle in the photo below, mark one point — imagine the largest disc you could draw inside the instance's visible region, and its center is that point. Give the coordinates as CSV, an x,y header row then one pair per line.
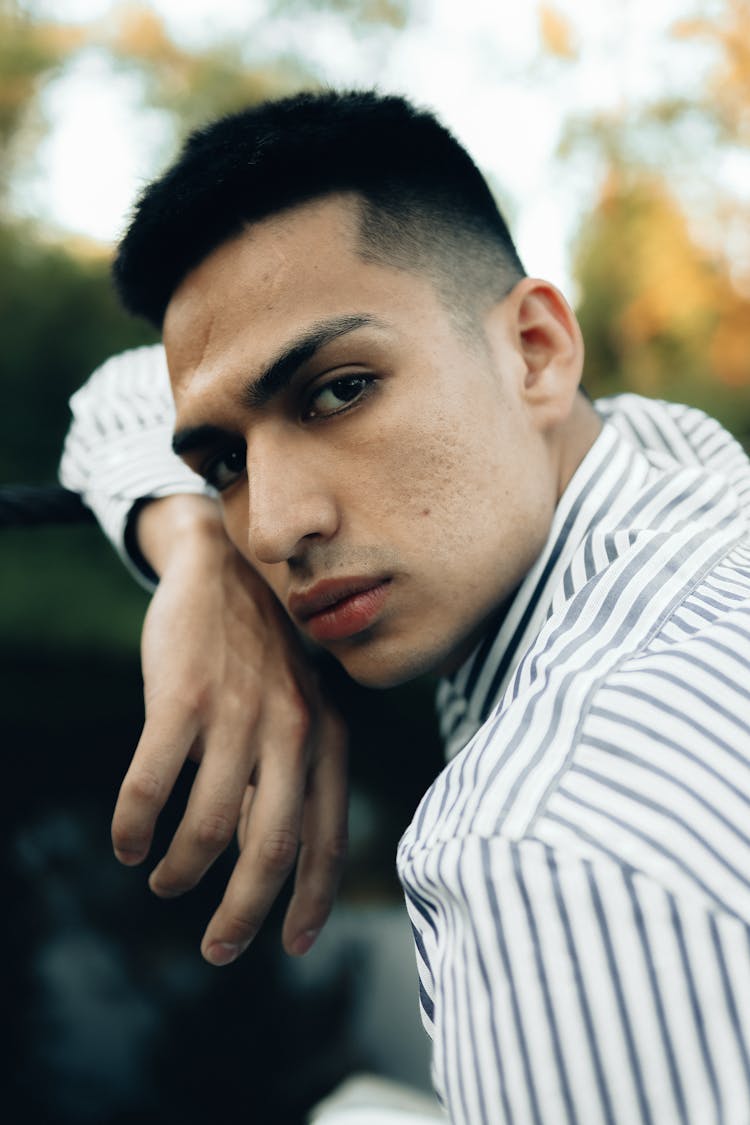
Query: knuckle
x,y
189,698
279,850
337,849
297,725
245,714
214,830
239,927
144,786
295,713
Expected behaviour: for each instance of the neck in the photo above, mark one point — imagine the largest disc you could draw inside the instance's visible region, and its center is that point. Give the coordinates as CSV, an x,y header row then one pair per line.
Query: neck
x,y
575,438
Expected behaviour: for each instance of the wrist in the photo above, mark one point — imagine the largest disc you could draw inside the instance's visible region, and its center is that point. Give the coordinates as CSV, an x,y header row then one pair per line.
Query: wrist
x,y
166,526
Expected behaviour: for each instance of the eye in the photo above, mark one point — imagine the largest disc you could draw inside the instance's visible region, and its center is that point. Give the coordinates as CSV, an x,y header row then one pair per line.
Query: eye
x,y
338,395
224,468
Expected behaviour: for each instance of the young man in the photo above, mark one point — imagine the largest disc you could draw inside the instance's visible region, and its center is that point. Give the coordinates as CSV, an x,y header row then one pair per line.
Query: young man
x,y
387,411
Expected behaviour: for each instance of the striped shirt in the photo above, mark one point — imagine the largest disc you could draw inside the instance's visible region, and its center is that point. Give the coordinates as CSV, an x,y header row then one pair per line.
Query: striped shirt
x,y
118,449
578,877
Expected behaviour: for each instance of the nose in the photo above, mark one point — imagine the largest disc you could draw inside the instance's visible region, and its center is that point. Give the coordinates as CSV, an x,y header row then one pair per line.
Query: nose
x,y
290,498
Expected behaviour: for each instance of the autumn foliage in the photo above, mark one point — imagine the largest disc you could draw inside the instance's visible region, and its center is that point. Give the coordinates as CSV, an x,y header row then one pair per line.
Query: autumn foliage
x,y
660,312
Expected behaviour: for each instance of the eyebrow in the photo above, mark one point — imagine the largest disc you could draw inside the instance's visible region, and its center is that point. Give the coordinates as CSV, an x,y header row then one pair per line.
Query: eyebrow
x,y
280,372
277,376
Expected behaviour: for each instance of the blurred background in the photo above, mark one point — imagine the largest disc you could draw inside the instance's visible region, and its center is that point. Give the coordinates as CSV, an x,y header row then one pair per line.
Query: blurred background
x,y
616,138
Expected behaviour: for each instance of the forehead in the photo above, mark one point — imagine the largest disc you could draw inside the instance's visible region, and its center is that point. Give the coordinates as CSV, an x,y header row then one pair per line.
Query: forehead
x,y
300,267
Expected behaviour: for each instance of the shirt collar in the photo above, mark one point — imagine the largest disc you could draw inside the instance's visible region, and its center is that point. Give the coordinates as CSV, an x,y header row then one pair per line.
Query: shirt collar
x,y
601,490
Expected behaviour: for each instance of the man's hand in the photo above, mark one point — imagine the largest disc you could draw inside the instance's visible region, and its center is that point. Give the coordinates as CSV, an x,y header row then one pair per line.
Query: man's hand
x,y
227,683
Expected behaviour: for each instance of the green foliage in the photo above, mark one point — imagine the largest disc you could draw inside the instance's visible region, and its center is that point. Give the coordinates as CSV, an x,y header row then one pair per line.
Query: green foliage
x,y
63,590
30,51
59,319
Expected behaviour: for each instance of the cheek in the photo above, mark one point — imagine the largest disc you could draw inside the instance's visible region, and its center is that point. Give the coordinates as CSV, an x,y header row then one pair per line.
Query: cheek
x,y
234,513
464,502
435,479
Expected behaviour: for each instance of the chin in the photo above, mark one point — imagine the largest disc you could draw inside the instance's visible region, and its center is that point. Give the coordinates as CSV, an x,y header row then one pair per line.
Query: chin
x,y
389,669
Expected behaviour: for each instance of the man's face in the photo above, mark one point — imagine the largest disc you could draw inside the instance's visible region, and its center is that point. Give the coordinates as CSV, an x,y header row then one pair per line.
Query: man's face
x,y
383,473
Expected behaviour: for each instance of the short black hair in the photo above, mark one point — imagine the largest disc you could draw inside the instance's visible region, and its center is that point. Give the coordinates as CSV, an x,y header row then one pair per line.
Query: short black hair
x,y
424,204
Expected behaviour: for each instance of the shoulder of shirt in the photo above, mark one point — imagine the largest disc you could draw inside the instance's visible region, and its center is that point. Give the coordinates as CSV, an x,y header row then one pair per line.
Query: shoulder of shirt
x,y
694,598
673,432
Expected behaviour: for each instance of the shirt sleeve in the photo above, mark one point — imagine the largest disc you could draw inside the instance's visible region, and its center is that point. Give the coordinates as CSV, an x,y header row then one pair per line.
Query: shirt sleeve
x,y
567,989
118,451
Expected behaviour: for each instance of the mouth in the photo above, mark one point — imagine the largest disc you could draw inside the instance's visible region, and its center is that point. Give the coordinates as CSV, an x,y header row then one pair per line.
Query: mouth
x,y
338,608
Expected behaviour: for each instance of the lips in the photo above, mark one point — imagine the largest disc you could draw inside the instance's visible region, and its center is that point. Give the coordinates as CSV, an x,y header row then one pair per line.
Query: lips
x,y
339,608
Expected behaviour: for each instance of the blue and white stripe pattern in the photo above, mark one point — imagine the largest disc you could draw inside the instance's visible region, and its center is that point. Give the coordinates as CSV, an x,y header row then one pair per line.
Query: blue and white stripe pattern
x,y
118,449
578,877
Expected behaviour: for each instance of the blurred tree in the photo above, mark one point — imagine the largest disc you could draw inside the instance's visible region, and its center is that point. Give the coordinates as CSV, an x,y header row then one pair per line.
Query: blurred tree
x,y
663,258
59,318
358,14
57,314
192,85
659,312
727,94
31,50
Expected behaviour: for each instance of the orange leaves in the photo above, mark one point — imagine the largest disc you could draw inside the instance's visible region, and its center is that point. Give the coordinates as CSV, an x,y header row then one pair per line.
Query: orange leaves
x,y
729,350
659,314
556,33
729,90
666,299
139,33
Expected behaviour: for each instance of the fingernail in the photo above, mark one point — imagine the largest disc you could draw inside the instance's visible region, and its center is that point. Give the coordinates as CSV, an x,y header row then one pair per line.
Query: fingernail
x,y
304,942
222,952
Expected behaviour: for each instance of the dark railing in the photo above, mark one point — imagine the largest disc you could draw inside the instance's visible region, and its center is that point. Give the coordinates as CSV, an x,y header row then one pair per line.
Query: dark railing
x,y
31,505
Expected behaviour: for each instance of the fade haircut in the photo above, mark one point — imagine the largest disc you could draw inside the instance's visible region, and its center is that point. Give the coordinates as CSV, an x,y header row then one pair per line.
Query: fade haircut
x,y
424,205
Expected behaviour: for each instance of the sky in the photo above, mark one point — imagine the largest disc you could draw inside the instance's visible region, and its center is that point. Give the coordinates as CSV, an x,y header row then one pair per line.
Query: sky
x,y
477,63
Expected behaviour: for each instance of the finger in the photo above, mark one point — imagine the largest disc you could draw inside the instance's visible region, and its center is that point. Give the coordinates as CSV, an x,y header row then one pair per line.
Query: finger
x,y
247,804
270,849
213,809
324,840
165,743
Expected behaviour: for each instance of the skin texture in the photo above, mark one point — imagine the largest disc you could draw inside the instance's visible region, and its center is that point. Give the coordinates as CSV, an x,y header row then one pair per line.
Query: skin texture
x,y
401,451
439,477
227,684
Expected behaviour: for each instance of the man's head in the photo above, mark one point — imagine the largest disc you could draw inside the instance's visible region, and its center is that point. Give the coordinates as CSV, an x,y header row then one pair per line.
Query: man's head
x,y
387,406
423,204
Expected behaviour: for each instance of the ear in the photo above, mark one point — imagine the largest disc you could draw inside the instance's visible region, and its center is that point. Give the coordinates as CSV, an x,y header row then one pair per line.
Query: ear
x,y
546,337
